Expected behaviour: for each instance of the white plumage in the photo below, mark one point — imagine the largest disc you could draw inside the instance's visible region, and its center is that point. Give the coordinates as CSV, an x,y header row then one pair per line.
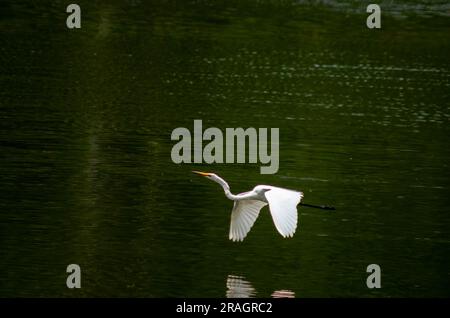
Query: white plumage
x,y
243,216
282,204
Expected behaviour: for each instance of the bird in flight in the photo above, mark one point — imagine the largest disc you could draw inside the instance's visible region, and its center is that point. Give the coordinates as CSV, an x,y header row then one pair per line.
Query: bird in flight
x,y
282,204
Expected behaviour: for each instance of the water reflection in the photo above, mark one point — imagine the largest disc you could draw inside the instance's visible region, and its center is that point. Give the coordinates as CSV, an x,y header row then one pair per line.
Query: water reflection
x,y
284,293
239,287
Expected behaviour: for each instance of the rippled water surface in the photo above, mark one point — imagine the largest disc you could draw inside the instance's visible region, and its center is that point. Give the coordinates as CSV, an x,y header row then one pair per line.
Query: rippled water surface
x,y
86,175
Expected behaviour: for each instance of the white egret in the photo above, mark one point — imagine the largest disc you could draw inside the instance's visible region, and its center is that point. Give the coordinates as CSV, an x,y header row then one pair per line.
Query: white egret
x,y
282,204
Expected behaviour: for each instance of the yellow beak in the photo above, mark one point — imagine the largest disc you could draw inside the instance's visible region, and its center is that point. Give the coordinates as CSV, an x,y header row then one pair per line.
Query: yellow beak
x,y
205,174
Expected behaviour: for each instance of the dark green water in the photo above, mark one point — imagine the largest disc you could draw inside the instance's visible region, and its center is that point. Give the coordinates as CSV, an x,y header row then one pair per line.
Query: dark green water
x,y
86,175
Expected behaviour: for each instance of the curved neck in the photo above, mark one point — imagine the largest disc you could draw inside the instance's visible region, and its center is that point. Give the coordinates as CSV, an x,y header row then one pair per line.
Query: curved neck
x,y
226,188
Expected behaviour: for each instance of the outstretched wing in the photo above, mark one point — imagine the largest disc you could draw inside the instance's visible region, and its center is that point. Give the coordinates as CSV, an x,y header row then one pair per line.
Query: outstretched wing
x,y
243,217
283,207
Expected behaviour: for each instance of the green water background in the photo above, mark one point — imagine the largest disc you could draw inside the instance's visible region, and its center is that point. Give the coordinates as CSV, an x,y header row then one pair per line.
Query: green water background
x,y
86,175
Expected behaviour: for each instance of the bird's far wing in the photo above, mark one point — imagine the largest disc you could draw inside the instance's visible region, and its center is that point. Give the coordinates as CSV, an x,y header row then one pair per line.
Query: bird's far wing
x,y
243,217
283,207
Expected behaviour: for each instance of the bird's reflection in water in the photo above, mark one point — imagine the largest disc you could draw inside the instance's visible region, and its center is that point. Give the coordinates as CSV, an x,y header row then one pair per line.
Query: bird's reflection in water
x,y
238,287
283,294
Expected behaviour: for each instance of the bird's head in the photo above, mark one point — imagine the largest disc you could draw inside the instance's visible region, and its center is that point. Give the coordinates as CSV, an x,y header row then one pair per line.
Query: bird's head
x,y
209,175
214,177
